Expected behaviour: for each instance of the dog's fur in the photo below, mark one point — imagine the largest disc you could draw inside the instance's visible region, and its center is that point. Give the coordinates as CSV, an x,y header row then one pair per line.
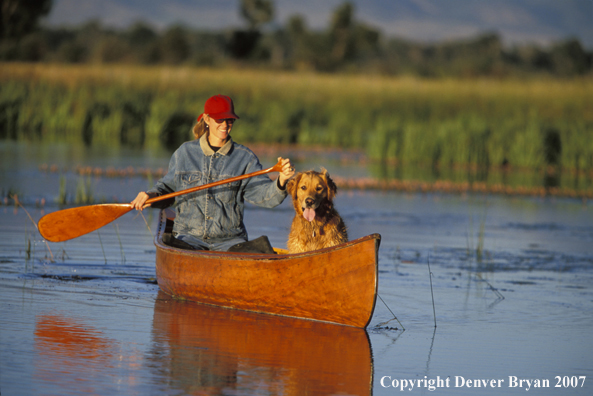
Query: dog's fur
x,y
313,190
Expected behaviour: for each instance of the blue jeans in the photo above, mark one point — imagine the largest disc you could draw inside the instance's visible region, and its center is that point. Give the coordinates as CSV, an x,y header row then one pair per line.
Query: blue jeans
x,y
221,245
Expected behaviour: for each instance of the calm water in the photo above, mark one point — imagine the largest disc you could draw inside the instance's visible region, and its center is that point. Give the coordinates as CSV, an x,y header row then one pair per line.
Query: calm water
x,y
512,281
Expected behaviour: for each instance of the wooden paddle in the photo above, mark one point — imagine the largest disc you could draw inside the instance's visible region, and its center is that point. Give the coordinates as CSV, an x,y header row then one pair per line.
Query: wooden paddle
x,y
67,224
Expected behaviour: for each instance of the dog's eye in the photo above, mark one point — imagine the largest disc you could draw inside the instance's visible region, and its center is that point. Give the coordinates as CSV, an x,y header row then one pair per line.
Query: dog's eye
x,y
319,188
303,187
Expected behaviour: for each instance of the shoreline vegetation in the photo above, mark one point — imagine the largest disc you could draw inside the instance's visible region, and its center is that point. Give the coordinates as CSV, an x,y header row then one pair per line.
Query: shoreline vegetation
x,y
481,126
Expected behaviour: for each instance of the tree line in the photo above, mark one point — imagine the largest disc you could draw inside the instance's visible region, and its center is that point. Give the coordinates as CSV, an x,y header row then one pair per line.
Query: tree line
x,y
345,45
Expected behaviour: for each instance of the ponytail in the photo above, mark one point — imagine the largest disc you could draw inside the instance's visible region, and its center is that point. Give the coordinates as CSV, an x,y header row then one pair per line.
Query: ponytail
x,y
200,128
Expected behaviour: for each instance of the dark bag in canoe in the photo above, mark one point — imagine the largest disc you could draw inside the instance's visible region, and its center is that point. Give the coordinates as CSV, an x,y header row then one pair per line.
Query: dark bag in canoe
x,y
169,239
257,245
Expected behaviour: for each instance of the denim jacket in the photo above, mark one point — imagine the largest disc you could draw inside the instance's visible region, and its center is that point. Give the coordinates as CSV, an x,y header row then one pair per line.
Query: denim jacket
x,y
215,213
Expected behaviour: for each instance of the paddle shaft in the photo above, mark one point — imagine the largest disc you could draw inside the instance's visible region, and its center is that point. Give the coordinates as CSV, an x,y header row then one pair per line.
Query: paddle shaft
x,y
275,168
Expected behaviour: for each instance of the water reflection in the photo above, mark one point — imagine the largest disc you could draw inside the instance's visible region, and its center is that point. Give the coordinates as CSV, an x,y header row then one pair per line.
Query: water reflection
x,y
71,353
210,350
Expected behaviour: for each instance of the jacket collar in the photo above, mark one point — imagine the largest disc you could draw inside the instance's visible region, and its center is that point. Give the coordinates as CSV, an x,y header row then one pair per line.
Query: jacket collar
x,y
224,150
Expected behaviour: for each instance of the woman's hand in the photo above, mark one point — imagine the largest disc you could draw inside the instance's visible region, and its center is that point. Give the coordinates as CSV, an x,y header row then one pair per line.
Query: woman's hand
x,y
139,202
287,171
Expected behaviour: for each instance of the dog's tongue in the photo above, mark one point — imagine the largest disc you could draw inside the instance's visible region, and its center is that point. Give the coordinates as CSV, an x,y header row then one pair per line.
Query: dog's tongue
x,y
309,214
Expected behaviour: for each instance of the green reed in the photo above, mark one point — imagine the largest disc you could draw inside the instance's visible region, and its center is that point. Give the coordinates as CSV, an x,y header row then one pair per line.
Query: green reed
x,y
62,194
439,123
28,238
476,251
121,246
102,249
84,191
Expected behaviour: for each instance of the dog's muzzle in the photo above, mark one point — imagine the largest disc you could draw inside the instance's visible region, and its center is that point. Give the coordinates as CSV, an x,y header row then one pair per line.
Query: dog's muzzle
x,y
308,210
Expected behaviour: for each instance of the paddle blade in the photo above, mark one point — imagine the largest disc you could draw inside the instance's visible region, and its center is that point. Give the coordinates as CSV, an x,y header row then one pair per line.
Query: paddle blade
x,y
67,224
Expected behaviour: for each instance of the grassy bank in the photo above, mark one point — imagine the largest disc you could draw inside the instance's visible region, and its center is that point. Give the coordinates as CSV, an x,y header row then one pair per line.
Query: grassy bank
x,y
531,124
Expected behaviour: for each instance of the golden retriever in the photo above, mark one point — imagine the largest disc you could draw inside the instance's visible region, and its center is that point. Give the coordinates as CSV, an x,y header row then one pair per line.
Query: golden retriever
x,y
316,224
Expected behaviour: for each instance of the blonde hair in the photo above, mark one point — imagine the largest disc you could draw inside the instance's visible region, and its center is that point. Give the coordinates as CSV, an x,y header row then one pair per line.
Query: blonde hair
x,y
200,128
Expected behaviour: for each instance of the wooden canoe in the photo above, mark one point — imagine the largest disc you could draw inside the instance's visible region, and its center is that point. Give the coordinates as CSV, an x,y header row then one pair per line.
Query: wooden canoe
x,y
337,285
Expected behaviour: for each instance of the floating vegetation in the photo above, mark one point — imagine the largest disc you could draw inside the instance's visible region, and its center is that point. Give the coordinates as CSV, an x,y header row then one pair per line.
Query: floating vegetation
x,y
110,172
449,187
347,183
10,197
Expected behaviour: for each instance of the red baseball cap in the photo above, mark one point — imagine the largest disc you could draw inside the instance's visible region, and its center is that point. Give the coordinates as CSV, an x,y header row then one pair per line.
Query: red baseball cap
x,y
219,106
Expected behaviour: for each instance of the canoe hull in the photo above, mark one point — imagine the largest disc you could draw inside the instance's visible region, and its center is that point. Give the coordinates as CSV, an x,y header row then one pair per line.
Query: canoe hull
x,y
337,285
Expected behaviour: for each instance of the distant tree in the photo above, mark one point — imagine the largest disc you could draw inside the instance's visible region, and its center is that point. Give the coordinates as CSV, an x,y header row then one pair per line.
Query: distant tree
x,y
345,44
141,34
32,47
71,51
174,46
300,50
296,26
341,32
143,42
257,12
207,48
350,40
90,34
112,49
569,58
20,17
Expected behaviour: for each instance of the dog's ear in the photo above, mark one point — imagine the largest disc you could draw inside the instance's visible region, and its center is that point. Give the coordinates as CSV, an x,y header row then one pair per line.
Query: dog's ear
x,y
292,184
332,188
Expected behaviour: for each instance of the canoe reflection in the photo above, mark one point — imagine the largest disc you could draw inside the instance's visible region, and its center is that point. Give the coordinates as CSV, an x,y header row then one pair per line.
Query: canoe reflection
x,y
201,349
71,353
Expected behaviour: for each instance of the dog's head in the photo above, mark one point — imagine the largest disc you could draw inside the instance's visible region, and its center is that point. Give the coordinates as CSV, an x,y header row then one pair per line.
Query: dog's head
x,y
312,193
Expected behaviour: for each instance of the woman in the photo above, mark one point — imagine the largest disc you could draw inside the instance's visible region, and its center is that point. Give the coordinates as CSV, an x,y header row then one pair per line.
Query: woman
x,y
212,219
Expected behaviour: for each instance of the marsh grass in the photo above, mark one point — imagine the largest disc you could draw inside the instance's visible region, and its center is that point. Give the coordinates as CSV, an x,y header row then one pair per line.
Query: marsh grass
x,y
147,225
494,290
382,324
62,194
121,246
83,194
477,254
84,191
102,248
27,245
440,123
430,275
481,236
476,251
11,194
27,237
